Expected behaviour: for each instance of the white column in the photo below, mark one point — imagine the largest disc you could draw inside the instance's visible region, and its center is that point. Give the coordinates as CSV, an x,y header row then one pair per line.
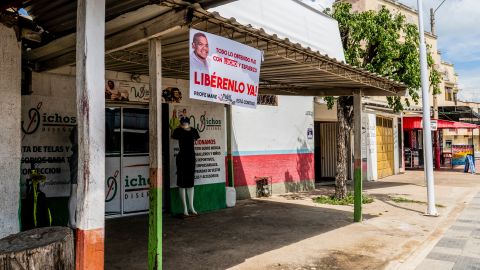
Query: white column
x,y
10,136
427,133
90,84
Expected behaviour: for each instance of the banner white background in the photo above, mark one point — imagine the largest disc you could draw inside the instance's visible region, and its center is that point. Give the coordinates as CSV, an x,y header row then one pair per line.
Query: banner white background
x,y
46,127
116,90
209,120
223,70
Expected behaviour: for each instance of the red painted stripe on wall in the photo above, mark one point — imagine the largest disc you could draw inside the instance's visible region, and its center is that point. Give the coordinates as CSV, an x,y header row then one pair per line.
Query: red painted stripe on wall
x,y
90,249
281,167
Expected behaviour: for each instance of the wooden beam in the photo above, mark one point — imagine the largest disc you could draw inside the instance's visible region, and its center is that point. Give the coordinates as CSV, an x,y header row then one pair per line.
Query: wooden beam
x,y
336,91
357,164
155,141
140,33
90,84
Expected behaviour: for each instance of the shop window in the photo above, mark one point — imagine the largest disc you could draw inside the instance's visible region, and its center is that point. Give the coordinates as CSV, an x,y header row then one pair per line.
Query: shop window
x,y
269,100
448,94
448,144
135,131
112,131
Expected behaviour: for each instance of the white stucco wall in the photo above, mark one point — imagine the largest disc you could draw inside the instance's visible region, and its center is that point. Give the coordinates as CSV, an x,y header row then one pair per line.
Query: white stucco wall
x,y
396,144
10,139
323,114
371,145
274,129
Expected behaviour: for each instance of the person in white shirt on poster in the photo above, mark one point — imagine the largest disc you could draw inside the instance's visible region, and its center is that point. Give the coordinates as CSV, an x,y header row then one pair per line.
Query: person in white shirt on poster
x,y
199,56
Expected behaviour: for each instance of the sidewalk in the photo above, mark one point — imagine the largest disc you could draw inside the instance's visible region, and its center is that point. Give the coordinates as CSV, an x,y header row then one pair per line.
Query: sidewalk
x,y
292,232
459,248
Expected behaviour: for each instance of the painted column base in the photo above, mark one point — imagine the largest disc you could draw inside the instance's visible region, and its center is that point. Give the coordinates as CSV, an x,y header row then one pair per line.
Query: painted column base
x,y
90,249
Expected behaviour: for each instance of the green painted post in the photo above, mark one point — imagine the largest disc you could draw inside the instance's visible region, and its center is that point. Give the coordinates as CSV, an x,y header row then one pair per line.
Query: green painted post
x,y
357,172
155,228
358,189
155,147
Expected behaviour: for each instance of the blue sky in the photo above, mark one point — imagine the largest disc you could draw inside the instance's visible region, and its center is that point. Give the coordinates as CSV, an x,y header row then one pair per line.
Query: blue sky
x,y
458,31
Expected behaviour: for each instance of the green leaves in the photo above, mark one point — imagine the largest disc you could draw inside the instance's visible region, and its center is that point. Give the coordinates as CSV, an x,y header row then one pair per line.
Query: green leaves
x,y
384,43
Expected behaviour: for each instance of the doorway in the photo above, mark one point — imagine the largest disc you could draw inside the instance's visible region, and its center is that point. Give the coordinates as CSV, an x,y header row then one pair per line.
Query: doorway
x,y
325,150
126,161
385,147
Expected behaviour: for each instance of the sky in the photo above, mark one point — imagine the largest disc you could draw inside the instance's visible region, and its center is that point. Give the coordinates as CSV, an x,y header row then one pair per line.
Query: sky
x,y
458,31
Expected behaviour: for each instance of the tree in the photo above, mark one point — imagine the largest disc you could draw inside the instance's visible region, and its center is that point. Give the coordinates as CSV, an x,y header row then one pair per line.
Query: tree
x,y
380,42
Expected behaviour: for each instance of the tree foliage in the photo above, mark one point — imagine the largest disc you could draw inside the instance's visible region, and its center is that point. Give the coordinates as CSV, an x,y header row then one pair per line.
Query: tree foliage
x,y
379,42
384,43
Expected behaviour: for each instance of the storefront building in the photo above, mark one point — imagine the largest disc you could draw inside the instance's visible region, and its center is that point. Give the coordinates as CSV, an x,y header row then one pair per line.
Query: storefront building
x,y
452,150
381,141
125,107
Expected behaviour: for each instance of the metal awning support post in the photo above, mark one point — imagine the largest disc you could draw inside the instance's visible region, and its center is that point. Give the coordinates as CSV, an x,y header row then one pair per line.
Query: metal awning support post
x,y
155,146
90,84
357,167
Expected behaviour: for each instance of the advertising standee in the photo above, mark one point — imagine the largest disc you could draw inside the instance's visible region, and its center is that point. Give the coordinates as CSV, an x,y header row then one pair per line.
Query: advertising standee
x,y
209,149
46,129
223,71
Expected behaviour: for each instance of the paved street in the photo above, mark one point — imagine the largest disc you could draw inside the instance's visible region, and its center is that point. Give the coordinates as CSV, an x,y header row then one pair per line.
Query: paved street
x,y
459,248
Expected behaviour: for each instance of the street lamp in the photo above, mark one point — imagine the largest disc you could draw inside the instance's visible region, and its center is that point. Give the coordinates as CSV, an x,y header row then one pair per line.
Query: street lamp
x,y
427,134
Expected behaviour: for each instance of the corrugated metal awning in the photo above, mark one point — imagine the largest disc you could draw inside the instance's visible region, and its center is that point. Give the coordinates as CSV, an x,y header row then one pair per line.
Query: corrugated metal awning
x,y
288,69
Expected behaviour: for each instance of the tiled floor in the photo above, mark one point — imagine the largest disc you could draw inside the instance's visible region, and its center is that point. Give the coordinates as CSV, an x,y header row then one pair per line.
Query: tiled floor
x,y
459,248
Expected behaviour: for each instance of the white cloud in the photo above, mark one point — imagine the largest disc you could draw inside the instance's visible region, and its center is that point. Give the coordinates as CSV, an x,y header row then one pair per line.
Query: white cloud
x,y
470,84
456,27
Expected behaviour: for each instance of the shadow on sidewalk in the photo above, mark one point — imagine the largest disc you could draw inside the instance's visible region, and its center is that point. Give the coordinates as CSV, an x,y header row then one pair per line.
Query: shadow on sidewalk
x,y
385,184
385,198
221,239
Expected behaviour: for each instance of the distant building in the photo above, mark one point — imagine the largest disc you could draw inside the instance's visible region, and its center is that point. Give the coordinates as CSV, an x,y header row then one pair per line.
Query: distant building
x,y
448,106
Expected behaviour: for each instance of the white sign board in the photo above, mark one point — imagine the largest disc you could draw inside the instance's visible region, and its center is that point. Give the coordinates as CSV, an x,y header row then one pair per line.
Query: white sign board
x,y
46,127
434,124
209,149
126,91
222,70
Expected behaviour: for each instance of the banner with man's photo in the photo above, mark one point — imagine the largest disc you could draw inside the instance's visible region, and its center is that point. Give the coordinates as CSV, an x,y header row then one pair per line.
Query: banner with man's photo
x,y
223,70
126,91
116,90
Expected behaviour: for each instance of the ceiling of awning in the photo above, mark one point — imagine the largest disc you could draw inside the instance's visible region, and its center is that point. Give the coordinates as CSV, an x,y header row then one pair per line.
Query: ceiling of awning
x,y
58,17
288,69
459,113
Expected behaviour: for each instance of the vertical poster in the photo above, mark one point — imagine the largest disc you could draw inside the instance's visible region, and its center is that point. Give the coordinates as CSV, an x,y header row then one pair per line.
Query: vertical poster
x,y
209,149
136,183
113,190
223,70
46,125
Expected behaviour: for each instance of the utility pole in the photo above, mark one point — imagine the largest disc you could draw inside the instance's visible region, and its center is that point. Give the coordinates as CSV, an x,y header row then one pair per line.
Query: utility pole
x,y
436,140
427,134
